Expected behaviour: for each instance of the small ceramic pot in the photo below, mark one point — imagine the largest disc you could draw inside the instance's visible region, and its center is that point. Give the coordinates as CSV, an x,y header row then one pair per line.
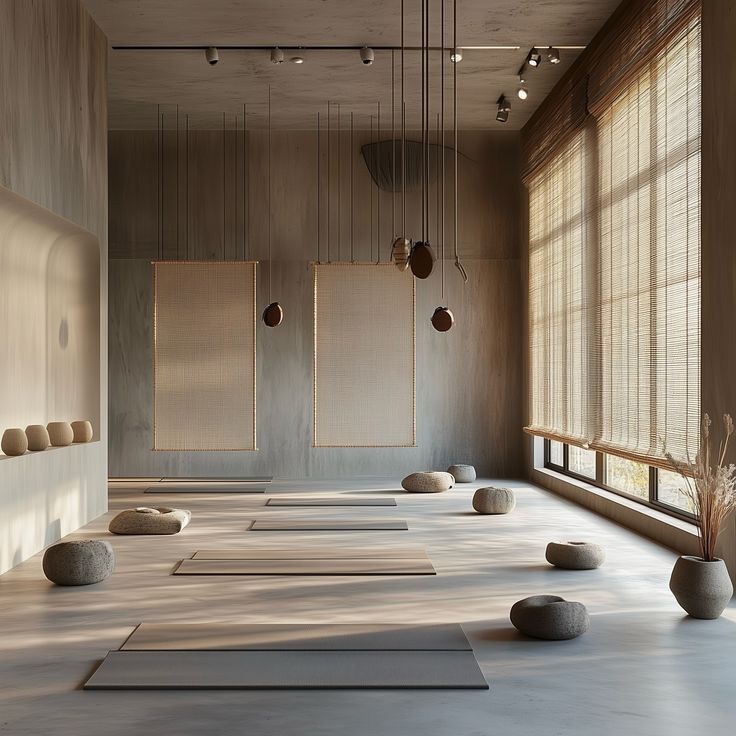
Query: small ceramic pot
x,y
38,437
61,434
82,430
703,589
14,442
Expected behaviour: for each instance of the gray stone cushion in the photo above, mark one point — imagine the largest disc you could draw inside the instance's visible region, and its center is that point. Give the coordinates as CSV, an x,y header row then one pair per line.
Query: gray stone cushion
x,y
144,520
575,555
462,473
79,563
434,482
494,500
550,617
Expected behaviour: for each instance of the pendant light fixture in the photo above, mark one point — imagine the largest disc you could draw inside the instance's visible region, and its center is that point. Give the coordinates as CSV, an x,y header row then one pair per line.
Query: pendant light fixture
x,y
442,318
422,255
273,314
401,248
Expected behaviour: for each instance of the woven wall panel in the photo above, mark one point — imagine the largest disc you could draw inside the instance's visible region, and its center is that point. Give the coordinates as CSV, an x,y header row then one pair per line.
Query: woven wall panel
x,y
364,356
204,356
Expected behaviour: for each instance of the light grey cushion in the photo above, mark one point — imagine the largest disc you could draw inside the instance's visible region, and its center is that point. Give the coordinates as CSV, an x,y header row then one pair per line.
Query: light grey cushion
x,y
79,562
494,500
575,555
144,520
462,473
550,617
434,482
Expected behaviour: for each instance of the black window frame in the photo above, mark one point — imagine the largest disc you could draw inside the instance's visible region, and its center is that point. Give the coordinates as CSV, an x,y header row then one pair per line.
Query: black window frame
x,y
652,500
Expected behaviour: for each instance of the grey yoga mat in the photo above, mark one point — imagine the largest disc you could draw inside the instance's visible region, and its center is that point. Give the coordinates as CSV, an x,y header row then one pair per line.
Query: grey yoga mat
x,y
218,479
330,501
309,553
282,670
298,525
197,488
297,637
357,566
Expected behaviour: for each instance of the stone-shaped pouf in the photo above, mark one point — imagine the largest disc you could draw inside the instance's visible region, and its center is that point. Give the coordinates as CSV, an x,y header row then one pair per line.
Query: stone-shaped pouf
x,y
14,442
575,555
550,617
462,473
61,434
494,500
428,482
79,563
145,520
38,437
82,431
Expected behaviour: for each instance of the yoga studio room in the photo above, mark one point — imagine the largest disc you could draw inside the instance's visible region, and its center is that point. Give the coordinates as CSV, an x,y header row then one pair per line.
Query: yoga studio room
x,y
367,368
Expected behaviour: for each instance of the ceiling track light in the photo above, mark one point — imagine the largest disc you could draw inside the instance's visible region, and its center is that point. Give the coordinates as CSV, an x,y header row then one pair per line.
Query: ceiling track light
x,y
211,55
553,55
367,56
297,60
456,55
277,55
504,106
534,58
522,93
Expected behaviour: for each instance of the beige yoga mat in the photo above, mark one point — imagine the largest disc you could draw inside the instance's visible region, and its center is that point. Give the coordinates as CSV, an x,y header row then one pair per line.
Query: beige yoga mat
x,y
330,501
308,553
359,566
298,525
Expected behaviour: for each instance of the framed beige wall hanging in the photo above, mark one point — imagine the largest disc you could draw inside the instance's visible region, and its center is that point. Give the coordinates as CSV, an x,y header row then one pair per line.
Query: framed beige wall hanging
x,y
364,356
204,348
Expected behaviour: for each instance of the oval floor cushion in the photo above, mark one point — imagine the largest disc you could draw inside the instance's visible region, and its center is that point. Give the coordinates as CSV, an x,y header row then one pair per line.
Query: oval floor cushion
x,y
575,555
494,500
80,562
462,473
550,617
434,482
144,520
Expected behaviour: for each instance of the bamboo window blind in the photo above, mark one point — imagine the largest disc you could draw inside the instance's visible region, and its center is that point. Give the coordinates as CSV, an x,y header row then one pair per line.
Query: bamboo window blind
x,y
614,261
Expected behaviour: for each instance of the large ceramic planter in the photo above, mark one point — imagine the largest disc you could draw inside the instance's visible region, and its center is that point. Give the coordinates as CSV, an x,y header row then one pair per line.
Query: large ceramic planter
x,y
702,588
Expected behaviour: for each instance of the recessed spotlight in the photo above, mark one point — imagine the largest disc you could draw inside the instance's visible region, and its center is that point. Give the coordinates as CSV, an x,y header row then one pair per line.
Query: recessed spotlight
x,y
504,106
456,56
297,60
553,55
211,55
367,56
522,93
277,56
534,58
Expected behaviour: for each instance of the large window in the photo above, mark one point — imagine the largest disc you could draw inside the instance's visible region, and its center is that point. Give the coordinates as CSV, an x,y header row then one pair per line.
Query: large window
x,y
614,268
658,488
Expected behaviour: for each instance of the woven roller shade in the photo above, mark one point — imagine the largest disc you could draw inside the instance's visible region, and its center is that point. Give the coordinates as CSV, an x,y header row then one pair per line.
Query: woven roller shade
x,y
204,356
364,356
614,263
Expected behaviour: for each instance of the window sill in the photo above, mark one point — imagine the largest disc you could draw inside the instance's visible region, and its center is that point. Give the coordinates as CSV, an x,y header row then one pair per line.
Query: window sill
x,y
626,511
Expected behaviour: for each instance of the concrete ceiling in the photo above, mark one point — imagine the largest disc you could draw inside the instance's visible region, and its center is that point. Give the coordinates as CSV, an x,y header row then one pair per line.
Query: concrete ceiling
x,y
142,79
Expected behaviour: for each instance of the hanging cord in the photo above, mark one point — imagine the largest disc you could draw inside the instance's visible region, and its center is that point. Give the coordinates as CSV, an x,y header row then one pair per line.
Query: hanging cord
x,y
378,190
224,189
187,195
441,173
329,176
424,142
373,156
403,132
159,249
177,177
270,260
339,190
352,211
458,264
246,180
393,147
319,167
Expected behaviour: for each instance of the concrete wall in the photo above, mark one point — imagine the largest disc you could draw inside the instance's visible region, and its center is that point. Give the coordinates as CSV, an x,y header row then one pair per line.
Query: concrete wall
x,y
468,381
53,121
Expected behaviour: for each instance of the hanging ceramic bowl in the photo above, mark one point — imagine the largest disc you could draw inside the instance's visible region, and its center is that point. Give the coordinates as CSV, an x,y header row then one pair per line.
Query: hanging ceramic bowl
x,y
422,260
443,319
400,252
273,314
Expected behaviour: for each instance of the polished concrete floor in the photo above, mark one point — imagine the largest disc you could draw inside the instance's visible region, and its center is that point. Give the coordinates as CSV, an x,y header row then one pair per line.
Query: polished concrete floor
x,y
643,668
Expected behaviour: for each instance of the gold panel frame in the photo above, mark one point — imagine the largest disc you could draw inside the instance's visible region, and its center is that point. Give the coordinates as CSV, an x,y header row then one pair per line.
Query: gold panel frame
x,y
364,368
204,356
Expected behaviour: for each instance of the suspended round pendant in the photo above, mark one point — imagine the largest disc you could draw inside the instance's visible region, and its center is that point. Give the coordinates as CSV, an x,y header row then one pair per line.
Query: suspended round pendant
x,y
400,252
442,319
422,260
273,314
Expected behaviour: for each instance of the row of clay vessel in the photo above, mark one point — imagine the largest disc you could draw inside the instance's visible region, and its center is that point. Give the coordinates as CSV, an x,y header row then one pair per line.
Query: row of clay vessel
x,y
37,437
